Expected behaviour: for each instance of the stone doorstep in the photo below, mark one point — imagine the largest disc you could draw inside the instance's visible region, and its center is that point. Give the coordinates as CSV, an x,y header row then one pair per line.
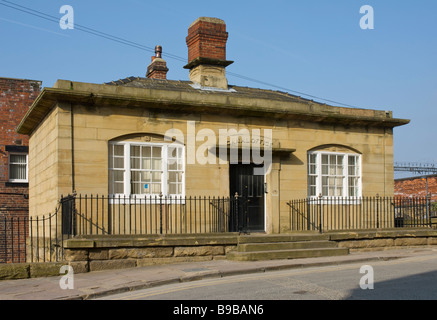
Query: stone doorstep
x,y
285,246
310,236
269,246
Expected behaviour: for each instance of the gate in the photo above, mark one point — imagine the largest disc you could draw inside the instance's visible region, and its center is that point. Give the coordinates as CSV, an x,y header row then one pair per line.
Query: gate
x,y
68,219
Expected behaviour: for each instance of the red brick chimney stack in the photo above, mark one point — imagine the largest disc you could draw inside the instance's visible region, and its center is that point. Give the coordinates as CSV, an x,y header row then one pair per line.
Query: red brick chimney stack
x,y
157,69
207,38
206,43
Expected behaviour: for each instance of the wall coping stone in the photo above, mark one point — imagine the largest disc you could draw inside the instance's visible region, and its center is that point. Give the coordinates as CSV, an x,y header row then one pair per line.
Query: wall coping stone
x,y
377,234
117,241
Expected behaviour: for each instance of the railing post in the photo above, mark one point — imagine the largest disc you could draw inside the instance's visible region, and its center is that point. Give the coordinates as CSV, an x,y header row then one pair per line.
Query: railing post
x,y
109,213
56,235
73,214
320,213
5,239
160,213
12,239
31,238
377,211
245,215
37,239
44,238
428,216
237,223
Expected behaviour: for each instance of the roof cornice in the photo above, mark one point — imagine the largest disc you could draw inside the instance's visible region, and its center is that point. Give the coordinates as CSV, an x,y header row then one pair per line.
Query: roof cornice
x,y
196,101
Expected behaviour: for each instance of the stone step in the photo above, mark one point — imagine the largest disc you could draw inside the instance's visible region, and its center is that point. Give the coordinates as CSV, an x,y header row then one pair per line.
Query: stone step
x,y
270,246
282,238
286,254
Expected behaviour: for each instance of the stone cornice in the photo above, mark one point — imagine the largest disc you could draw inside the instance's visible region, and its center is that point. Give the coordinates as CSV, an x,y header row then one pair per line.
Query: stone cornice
x,y
197,102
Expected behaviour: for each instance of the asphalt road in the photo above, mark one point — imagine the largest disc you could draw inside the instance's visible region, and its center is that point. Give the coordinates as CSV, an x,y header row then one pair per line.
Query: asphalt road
x,y
401,279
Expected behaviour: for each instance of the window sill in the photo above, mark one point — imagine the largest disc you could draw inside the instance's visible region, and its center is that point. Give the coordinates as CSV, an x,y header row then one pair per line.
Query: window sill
x,y
335,200
17,184
143,200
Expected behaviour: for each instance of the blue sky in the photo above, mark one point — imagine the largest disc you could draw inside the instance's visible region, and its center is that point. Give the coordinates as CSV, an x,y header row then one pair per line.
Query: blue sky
x,y
312,47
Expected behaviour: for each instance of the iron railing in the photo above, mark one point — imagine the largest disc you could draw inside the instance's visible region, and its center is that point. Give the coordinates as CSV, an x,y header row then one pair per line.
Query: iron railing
x,y
127,215
31,239
13,235
40,239
328,214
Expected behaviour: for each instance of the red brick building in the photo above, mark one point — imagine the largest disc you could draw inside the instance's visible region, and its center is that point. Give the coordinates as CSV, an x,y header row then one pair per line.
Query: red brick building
x,y
16,96
417,186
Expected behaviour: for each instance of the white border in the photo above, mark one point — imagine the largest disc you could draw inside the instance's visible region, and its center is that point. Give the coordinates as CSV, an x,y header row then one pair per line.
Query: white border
x,y
147,198
345,175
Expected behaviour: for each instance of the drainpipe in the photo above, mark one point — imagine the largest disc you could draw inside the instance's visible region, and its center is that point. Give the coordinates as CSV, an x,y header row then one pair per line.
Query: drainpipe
x,y
73,184
385,163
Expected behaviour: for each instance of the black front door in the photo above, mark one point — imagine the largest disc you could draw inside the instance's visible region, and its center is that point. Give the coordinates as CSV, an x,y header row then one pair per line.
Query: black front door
x,y
248,210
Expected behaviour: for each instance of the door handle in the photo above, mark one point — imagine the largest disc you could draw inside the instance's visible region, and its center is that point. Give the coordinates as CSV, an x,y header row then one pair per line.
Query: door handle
x,y
265,187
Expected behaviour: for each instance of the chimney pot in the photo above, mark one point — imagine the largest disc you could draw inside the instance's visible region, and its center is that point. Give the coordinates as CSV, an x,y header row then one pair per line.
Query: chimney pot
x,y
158,51
157,69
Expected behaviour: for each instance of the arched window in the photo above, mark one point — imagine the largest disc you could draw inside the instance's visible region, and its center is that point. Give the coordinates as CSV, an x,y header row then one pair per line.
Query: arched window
x,y
146,168
334,172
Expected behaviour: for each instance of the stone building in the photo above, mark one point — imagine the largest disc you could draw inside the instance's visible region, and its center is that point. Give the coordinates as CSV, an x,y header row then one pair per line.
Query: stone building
x,y
149,136
16,96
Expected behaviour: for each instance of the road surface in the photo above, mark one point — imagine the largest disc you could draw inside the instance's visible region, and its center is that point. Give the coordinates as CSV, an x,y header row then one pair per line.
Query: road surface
x,y
400,279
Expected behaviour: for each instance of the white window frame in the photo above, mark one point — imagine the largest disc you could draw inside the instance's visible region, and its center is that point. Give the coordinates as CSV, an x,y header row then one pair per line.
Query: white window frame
x,y
345,175
149,198
10,171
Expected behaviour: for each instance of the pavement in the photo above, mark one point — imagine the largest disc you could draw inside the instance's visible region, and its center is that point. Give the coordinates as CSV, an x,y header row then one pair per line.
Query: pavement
x,y
99,284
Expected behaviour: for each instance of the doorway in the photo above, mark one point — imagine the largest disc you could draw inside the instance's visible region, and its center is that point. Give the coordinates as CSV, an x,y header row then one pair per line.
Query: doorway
x,y
248,212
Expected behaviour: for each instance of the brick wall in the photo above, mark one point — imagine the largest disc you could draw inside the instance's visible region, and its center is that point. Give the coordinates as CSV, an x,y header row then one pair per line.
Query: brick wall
x,y
207,39
16,96
157,69
416,187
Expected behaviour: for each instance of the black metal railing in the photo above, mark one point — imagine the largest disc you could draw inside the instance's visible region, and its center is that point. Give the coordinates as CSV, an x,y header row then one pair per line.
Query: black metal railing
x,y
41,238
13,235
30,239
327,214
94,215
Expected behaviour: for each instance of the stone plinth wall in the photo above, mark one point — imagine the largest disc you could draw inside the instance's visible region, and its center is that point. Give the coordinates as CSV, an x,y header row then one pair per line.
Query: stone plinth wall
x,y
116,252
369,240
13,271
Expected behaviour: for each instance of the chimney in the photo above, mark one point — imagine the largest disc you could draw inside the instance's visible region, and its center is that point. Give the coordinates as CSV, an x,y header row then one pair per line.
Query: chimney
x,y
157,69
206,43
